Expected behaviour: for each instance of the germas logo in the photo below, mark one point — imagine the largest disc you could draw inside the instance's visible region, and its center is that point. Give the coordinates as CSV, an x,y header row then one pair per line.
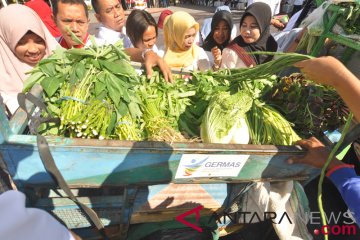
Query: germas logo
x,y
193,167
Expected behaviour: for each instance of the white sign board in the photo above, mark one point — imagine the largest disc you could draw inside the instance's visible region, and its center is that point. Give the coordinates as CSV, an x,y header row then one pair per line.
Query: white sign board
x,y
206,165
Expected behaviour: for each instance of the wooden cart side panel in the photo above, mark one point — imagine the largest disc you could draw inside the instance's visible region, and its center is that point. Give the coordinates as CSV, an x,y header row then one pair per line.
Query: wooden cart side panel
x,y
93,163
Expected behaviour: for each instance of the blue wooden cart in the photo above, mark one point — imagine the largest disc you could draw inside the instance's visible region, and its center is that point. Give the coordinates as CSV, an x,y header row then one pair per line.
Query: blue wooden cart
x,y
141,185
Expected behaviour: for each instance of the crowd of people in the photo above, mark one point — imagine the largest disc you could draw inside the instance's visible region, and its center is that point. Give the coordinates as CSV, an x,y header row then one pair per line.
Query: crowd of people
x,y
30,33
41,34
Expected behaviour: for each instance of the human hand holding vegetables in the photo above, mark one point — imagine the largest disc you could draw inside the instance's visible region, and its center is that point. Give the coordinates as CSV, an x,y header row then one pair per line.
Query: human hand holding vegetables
x,y
330,71
325,70
316,155
150,60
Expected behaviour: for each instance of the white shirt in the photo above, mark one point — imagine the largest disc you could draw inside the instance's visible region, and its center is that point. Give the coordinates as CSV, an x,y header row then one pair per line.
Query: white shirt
x,y
110,36
9,99
292,21
230,59
20,223
201,62
298,2
274,5
157,50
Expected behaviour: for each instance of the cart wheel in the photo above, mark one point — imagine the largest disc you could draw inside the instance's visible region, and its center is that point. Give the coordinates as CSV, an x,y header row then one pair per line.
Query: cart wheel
x,y
180,234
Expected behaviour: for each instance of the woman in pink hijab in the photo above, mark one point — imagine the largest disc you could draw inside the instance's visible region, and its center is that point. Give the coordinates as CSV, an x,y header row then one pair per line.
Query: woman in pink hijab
x,y
24,41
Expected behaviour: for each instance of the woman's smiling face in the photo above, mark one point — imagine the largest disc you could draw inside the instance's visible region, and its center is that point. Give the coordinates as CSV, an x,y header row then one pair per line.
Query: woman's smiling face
x,y
249,30
30,49
221,32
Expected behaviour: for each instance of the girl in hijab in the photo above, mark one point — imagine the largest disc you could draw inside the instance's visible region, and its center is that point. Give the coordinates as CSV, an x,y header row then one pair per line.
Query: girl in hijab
x,y
254,36
24,41
206,25
181,51
219,37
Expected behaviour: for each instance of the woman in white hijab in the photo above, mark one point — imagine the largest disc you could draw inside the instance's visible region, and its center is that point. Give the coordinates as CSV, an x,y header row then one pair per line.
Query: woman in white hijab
x,y
24,41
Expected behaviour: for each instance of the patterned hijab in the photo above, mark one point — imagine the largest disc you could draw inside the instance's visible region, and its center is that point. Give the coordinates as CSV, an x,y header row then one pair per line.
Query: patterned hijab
x,y
175,27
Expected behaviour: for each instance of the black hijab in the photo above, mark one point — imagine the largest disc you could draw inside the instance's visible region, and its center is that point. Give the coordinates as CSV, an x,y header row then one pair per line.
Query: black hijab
x,y
209,42
262,13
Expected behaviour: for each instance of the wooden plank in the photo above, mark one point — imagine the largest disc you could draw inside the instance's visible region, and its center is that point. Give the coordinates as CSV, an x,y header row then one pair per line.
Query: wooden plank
x,y
166,215
92,202
108,209
175,199
103,191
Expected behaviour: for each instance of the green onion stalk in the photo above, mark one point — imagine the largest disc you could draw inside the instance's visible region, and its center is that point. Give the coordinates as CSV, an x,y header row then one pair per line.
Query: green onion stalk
x,y
326,165
265,70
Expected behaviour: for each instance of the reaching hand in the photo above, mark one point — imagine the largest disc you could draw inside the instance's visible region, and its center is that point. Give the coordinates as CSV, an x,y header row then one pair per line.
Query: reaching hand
x,y
316,155
324,70
151,60
330,71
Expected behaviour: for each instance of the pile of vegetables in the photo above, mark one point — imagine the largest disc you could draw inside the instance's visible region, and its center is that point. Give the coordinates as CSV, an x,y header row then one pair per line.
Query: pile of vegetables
x,y
348,23
313,108
90,90
350,19
256,81
96,93
162,104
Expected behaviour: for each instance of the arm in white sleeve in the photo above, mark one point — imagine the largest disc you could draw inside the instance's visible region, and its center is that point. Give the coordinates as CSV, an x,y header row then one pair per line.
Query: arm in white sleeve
x,y
18,222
